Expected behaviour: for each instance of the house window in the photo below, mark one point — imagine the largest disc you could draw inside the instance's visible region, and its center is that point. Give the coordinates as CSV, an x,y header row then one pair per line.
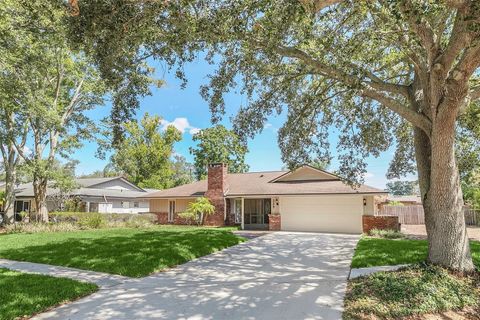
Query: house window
x,y
125,204
171,210
135,204
238,210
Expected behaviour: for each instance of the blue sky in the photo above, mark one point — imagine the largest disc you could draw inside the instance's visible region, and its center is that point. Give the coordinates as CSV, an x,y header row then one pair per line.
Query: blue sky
x,y
189,112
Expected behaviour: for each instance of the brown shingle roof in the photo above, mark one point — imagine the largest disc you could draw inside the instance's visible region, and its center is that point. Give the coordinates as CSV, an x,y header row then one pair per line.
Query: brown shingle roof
x,y
258,183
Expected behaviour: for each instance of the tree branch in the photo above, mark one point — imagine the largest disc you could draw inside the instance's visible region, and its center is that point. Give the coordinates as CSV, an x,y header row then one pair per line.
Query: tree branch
x,y
475,93
318,5
415,118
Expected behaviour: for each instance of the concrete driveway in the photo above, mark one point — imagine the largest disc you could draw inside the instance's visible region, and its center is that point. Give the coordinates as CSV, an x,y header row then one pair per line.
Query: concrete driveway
x,y
281,275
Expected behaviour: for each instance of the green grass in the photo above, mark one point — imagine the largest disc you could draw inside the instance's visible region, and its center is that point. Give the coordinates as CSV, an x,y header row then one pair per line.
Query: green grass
x,y
23,294
382,252
128,252
415,290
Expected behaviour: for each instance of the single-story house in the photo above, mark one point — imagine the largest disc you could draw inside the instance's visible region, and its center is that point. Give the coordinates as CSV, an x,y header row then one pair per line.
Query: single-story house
x,y
104,195
305,199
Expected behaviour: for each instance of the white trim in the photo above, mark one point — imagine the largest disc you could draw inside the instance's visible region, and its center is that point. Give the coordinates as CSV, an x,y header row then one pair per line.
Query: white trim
x,y
243,220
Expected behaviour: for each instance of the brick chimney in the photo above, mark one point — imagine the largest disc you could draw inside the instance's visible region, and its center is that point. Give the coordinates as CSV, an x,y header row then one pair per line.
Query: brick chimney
x,y
216,188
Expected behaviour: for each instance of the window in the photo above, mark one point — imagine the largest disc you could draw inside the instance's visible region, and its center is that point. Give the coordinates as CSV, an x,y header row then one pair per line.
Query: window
x,y
125,204
171,210
238,210
135,204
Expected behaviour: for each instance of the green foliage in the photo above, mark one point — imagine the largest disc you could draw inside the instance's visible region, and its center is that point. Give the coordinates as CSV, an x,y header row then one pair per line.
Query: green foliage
x,y
145,152
395,203
92,220
414,290
218,144
348,68
198,210
183,171
29,294
128,252
400,188
386,234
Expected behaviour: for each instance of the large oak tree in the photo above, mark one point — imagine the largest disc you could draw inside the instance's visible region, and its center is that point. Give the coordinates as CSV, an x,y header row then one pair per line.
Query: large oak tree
x,y
372,71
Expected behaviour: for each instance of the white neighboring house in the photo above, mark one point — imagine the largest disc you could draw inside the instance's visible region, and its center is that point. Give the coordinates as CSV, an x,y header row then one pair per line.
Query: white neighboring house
x,y
104,195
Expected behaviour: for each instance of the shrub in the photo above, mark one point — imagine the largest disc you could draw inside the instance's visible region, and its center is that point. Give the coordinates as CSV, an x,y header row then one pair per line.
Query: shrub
x,y
197,210
414,290
386,234
35,227
92,220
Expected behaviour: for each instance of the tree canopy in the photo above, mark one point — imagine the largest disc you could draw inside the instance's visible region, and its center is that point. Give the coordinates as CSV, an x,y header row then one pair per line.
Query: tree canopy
x,y
144,154
218,144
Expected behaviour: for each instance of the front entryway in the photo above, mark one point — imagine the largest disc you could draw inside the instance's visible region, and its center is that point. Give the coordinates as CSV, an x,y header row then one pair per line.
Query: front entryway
x,y
256,213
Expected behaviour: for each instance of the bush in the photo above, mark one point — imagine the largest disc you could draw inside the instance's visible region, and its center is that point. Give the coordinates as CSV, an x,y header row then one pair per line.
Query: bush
x,y
92,220
414,290
71,221
35,227
386,234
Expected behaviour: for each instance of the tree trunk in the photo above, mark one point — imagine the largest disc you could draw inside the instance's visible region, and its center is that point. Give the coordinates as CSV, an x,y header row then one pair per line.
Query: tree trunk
x,y
442,199
10,181
40,192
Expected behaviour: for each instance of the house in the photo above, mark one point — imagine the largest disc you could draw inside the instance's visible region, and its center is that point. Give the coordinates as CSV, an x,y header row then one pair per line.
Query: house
x,y
305,199
105,195
404,200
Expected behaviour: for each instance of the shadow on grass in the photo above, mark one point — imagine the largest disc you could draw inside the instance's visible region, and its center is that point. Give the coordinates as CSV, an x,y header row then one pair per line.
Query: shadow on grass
x,y
131,253
383,252
24,294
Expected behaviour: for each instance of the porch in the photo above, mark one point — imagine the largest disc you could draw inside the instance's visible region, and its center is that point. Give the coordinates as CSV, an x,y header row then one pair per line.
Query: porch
x,y
251,213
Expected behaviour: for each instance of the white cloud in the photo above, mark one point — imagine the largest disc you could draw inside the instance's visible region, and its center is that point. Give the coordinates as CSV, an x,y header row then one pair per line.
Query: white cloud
x,y
268,125
368,175
182,124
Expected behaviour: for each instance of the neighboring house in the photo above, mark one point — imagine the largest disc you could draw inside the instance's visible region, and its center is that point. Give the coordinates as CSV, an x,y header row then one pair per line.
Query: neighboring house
x,y
306,199
408,200
105,195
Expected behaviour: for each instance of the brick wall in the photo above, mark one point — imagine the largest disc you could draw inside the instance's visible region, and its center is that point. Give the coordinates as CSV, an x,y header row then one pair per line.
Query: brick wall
x,y
162,217
275,222
380,222
217,184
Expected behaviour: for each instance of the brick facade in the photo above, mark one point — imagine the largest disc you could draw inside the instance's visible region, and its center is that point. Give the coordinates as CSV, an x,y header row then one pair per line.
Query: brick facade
x,y
380,222
162,217
217,185
274,222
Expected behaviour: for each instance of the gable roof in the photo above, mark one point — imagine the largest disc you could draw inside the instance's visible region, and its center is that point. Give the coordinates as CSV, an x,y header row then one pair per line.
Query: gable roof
x,y
266,183
306,173
89,187
92,182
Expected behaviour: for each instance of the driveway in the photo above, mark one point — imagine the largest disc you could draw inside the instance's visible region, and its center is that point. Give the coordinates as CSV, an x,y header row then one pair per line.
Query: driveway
x,y
281,275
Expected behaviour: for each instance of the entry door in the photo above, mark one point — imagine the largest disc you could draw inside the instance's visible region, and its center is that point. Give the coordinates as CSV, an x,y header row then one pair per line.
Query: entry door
x,y
171,210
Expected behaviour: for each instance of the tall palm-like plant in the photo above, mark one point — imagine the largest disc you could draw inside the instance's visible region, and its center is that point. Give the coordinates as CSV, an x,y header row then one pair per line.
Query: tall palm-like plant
x,y
198,210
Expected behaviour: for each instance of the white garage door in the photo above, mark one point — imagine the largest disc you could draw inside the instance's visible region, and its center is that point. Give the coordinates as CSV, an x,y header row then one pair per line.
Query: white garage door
x,y
341,214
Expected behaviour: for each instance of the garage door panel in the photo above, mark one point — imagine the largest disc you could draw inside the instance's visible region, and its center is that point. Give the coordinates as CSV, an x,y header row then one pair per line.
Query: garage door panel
x,y
322,214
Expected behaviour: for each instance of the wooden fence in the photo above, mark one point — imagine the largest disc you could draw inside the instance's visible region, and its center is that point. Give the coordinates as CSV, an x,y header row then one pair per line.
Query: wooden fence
x,y
415,214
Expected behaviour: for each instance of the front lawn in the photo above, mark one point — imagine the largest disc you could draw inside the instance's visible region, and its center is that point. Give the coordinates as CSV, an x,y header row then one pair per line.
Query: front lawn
x,y
23,294
381,252
415,290
128,252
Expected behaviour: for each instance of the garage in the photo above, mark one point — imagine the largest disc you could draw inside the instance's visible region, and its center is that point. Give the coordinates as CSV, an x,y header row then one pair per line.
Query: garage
x,y
322,213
